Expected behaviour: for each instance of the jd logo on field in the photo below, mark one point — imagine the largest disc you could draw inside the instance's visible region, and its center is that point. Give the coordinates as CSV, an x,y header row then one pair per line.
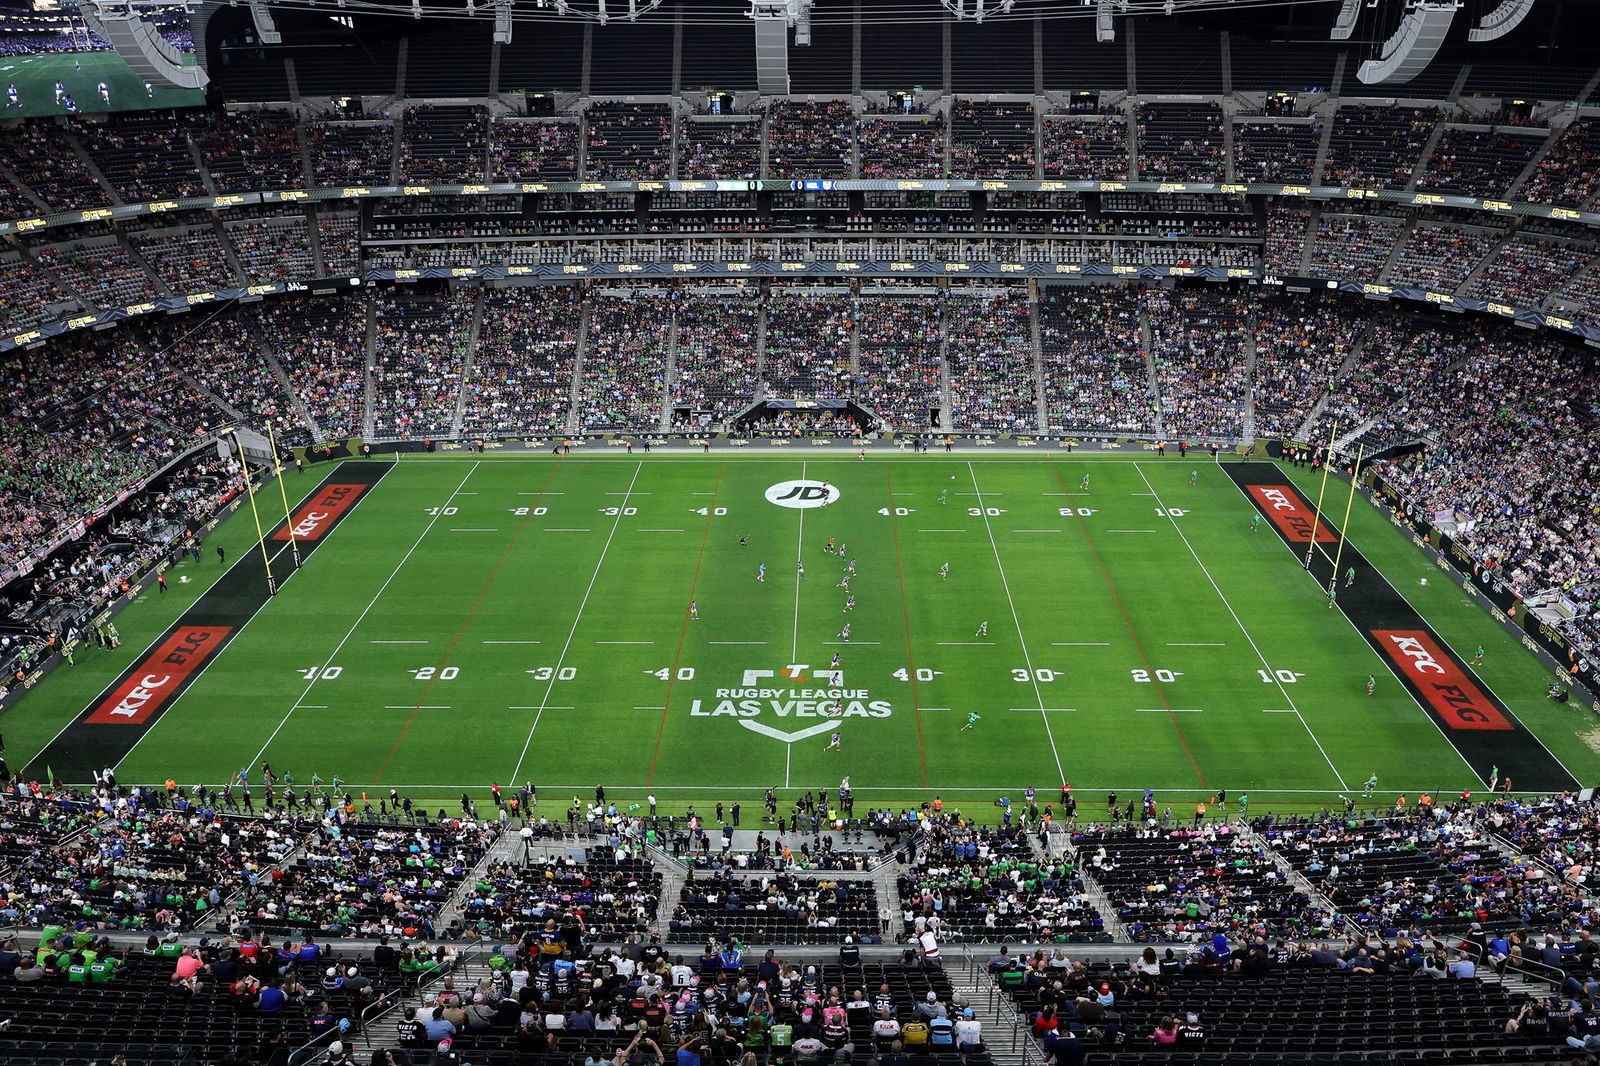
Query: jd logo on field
x,y
802,494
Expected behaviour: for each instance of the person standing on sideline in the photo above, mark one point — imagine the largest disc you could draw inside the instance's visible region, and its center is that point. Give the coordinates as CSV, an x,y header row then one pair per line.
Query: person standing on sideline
x,y
161,583
221,555
1199,812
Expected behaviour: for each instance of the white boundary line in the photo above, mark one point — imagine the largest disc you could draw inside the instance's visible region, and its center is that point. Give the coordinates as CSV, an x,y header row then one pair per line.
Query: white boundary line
x,y
1467,669
1016,622
576,621
356,624
1176,528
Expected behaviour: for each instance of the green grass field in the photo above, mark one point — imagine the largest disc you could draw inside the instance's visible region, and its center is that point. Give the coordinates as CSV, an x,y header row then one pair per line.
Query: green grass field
x,y
509,619
81,73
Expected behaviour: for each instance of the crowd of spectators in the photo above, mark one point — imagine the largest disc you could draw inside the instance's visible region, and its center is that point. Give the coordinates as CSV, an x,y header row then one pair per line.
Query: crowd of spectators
x,y
28,296
367,879
1171,884
900,378
1275,152
1511,461
1376,146
1353,246
144,156
521,378
273,248
1181,142
1287,231
1569,173
1526,269
33,151
1092,149
724,149
623,379
1469,162
100,272
248,150
627,141
1439,258
321,347
522,150
989,349
991,140
811,139
1199,341
338,239
188,258
419,348
807,354
611,893
351,153
1095,380
444,144
1301,344
714,374
910,148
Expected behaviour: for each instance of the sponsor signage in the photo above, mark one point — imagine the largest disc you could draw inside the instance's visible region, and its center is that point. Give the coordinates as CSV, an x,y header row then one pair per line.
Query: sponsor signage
x,y
318,516
1453,696
156,680
1282,505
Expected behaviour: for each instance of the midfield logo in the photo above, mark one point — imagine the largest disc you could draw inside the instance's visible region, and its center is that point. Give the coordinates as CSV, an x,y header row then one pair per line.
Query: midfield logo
x,y
802,495
822,702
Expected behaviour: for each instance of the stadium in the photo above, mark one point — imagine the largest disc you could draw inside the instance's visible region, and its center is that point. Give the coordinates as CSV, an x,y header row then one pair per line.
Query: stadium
x,y
888,532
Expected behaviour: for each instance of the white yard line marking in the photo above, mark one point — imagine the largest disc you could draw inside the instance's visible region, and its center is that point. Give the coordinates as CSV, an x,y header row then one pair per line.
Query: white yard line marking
x,y
627,494
799,550
311,707
1016,622
356,624
937,708
561,659
1036,710
1288,699
1278,710
466,494
540,708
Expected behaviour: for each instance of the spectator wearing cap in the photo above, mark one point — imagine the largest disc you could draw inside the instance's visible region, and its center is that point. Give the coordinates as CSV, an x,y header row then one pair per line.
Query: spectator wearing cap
x,y
969,1031
930,1007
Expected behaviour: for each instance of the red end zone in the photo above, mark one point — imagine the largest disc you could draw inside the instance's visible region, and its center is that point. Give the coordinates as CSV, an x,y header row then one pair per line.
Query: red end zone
x,y
152,684
318,516
1283,506
1448,690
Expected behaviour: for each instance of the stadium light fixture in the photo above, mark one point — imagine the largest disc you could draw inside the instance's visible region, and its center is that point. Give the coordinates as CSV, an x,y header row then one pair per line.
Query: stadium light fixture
x,y
1105,30
1501,21
979,10
1345,24
1412,47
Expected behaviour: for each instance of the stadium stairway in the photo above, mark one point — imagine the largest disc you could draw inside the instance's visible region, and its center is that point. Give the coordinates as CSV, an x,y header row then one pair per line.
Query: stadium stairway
x,y
1059,845
1006,1034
